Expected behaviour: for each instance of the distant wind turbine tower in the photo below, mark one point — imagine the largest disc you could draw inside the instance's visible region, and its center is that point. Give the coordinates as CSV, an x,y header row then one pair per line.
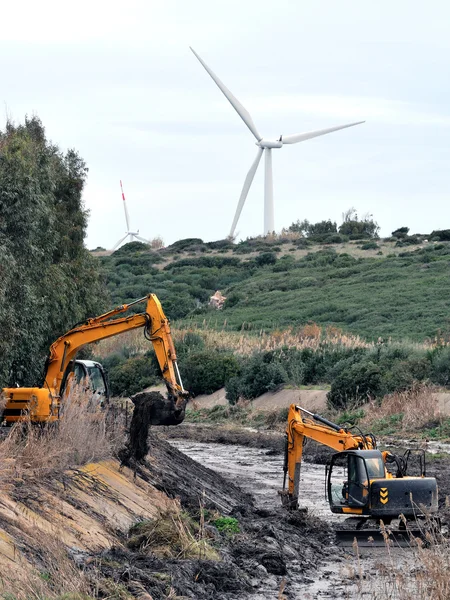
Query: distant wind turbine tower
x,y
264,146
129,234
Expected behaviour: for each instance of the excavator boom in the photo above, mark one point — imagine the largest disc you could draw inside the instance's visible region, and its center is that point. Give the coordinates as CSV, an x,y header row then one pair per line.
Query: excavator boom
x,y
43,403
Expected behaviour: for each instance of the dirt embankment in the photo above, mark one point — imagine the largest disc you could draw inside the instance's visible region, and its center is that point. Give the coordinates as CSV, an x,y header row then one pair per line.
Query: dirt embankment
x,y
256,562
81,520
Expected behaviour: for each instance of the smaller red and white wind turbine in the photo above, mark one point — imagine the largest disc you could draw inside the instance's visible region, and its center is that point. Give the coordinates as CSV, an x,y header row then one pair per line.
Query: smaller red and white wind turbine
x,y
132,235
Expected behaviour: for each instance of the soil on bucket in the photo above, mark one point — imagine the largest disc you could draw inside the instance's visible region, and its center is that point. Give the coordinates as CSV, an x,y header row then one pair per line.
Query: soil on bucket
x,y
150,408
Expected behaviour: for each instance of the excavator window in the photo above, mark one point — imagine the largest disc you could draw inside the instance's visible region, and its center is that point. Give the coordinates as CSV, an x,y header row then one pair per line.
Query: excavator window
x,y
97,380
90,375
348,481
79,372
375,468
358,481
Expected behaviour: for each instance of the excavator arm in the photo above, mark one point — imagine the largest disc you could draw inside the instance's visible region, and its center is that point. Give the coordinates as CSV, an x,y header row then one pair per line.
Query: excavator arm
x,y
43,403
322,431
156,328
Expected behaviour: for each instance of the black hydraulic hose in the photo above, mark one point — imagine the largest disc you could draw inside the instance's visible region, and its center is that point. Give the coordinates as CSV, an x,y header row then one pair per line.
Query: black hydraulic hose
x,y
327,422
364,437
321,419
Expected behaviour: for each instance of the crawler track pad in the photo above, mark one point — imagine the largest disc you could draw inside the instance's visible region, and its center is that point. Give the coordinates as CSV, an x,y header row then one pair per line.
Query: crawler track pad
x,y
366,538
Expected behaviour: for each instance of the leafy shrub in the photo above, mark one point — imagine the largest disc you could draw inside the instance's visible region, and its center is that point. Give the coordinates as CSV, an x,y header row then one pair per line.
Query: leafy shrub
x,y
370,246
233,299
312,230
185,244
401,232
334,238
321,228
441,366
132,375
302,243
266,258
177,306
408,240
131,248
441,234
204,261
227,525
359,383
190,343
285,263
225,244
258,375
358,228
206,372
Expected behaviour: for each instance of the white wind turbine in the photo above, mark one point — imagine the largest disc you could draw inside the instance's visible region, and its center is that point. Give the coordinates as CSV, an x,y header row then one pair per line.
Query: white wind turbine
x,y
264,145
131,234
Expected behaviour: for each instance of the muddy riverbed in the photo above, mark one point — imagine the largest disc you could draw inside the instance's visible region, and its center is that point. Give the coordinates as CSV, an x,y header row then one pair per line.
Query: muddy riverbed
x,y
259,472
276,554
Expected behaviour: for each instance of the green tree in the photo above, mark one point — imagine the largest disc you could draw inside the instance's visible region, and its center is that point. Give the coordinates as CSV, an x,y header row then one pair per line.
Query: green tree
x,y
358,228
48,280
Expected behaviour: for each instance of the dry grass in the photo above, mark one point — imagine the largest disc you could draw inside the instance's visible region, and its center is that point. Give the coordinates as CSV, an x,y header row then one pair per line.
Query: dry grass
x,y
422,572
84,434
173,534
309,336
417,406
57,577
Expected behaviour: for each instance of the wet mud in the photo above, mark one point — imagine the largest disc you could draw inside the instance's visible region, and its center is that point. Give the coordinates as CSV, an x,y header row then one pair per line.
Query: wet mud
x,y
150,408
273,551
271,441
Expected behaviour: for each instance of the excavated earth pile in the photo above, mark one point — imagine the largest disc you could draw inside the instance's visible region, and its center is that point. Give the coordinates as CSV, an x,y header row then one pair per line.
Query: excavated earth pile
x,y
270,547
83,518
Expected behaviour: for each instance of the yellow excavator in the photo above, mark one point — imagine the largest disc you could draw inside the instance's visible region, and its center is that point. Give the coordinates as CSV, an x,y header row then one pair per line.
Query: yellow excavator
x,y
358,481
43,404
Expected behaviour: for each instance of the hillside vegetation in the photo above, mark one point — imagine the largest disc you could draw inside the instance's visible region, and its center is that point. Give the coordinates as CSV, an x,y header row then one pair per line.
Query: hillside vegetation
x,y
390,290
366,317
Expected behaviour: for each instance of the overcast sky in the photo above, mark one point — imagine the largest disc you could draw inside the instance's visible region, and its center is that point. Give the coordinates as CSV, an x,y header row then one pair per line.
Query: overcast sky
x,y
117,81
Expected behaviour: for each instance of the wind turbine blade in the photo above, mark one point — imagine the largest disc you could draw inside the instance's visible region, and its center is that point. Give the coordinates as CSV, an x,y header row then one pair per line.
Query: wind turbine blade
x,y
241,111
127,218
247,183
301,137
120,241
141,239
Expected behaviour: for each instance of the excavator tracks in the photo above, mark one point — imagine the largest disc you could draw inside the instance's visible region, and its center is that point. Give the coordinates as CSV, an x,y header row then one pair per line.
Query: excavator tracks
x,y
406,535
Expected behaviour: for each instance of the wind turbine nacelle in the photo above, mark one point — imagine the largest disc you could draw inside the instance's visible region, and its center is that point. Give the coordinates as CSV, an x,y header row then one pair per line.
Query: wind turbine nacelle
x,y
270,144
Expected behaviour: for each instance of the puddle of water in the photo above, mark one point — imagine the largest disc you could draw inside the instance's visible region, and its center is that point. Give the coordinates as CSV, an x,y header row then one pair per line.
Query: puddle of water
x,y
259,473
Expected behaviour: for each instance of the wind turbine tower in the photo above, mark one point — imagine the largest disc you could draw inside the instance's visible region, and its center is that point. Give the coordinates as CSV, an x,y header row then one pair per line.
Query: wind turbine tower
x,y
265,146
132,235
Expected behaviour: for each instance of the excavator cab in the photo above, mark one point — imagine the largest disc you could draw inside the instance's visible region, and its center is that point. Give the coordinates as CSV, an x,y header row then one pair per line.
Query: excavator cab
x,y
348,479
358,483
89,374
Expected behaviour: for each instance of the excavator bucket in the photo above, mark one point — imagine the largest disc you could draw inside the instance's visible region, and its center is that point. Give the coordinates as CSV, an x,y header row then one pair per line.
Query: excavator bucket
x,y
150,408
155,409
